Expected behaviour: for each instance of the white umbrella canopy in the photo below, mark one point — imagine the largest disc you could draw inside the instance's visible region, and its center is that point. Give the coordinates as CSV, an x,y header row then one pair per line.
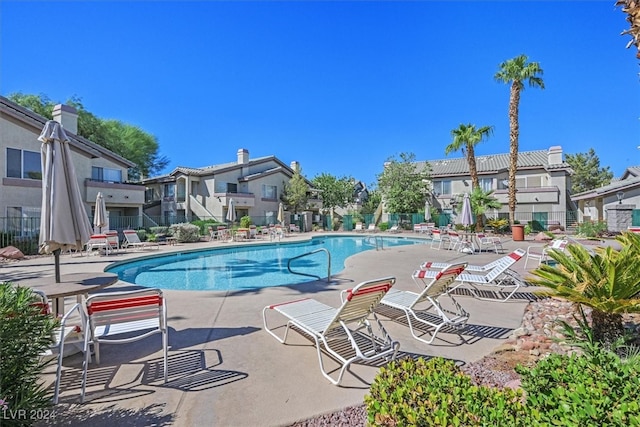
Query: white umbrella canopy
x,y
64,223
280,217
100,216
466,214
231,211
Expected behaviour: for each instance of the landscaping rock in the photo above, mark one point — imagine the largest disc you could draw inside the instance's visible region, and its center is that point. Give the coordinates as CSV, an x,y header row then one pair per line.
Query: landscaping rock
x,y
11,252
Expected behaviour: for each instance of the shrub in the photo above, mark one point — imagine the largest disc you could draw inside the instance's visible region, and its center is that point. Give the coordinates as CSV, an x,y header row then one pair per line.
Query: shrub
x,y
384,226
500,225
596,390
25,333
245,221
436,392
185,233
591,228
160,230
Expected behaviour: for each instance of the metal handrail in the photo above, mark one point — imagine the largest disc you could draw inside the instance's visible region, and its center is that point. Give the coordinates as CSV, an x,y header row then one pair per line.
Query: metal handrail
x,y
375,243
312,275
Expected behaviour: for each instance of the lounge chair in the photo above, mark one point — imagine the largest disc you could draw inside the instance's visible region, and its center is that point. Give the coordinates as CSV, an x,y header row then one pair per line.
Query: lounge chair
x,y
541,253
132,239
123,317
113,240
359,227
372,228
64,333
423,308
499,276
394,229
326,325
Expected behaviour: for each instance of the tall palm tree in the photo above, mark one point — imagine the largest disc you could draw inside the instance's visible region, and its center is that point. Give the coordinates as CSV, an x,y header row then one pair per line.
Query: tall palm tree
x,y
632,9
608,281
516,71
465,138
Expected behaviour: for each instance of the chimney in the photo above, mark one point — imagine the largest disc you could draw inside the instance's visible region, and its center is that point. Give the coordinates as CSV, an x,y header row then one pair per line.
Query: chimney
x,y
67,116
295,166
243,156
555,155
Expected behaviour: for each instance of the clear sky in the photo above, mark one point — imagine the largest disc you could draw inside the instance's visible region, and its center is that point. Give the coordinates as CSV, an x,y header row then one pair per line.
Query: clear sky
x,y
338,86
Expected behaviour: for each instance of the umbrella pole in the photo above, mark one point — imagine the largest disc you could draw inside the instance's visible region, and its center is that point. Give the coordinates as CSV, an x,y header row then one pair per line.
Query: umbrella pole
x,y
56,256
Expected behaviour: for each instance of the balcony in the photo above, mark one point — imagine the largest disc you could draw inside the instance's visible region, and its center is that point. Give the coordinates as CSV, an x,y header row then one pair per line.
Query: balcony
x,y
241,200
530,195
114,192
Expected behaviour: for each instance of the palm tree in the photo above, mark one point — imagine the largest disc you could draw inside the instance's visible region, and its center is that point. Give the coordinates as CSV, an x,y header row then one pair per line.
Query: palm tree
x,y
465,138
481,202
607,280
515,72
632,9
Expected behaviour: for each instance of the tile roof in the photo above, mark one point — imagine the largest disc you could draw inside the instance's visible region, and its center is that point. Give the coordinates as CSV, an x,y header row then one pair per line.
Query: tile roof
x,y
491,164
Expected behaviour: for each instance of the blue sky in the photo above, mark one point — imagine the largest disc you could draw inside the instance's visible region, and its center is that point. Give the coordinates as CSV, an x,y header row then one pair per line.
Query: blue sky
x,y
338,86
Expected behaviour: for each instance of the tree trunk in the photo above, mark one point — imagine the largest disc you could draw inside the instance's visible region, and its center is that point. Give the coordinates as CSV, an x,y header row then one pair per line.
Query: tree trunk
x,y
607,327
514,131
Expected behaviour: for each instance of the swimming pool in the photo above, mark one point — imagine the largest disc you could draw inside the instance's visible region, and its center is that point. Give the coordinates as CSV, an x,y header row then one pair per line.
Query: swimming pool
x,y
249,267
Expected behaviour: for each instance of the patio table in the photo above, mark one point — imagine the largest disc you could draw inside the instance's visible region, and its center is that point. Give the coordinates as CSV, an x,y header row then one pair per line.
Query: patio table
x,y
78,284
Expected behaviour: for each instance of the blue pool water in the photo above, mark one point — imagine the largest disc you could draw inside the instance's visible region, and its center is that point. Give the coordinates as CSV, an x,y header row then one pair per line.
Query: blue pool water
x,y
248,267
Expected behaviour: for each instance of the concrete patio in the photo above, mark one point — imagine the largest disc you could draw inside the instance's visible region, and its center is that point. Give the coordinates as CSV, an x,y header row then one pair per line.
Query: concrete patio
x,y
225,370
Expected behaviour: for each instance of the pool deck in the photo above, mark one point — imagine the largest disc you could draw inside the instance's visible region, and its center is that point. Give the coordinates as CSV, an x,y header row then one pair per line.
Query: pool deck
x,y
224,370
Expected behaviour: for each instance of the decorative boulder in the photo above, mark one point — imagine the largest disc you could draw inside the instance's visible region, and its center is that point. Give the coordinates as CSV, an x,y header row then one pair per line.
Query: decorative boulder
x,y
11,252
541,237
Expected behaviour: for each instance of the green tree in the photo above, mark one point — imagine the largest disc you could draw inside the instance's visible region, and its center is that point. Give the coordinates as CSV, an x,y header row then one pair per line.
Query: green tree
x,y
401,185
373,201
296,192
587,173
481,202
465,138
128,141
336,192
607,280
516,72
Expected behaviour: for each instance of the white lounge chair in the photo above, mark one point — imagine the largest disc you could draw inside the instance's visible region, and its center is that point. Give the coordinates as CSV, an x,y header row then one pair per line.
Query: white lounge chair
x,y
372,228
123,317
499,276
98,241
327,325
425,309
132,239
541,253
438,239
359,227
394,229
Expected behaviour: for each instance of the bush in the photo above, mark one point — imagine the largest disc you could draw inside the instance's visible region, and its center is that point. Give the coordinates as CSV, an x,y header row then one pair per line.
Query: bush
x,y
185,233
591,228
500,225
245,221
436,392
25,333
384,226
596,390
160,230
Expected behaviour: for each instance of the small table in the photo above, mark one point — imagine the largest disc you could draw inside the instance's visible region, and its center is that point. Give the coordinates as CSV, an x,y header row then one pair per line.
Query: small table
x,y
172,241
78,284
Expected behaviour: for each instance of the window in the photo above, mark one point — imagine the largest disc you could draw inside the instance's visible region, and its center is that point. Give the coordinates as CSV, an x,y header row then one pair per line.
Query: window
x,y
170,190
23,164
269,192
441,187
232,188
486,184
105,174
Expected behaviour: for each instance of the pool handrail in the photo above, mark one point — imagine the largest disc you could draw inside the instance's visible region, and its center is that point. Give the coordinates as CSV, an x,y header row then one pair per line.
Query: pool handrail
x,y
311,253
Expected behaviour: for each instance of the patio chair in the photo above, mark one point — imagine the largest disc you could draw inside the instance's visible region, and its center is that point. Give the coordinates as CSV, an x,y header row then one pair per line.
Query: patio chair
x,y
394,229
541,253
98,241
63,334
123,317
330,327
455,240
498,276
359,227
423,308
487,242
372,228
132,239
438,239
113,240
293,228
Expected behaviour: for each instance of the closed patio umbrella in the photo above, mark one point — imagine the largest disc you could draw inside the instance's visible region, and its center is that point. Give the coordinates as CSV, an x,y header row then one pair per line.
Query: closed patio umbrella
x,y
280,217
100,216
466,214
231,211
427,211
64,223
